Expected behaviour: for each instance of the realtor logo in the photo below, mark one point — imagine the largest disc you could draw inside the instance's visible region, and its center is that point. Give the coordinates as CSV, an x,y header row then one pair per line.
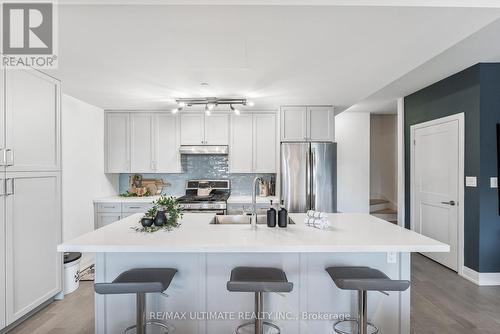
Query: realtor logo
x,y
28,34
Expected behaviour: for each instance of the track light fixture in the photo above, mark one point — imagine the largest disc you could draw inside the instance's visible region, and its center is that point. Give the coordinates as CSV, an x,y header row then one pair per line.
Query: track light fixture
x,y
235,110
210,103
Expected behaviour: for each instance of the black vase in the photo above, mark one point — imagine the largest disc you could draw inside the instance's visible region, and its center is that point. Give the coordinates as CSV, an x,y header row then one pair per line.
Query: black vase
x,y
160,218
147,221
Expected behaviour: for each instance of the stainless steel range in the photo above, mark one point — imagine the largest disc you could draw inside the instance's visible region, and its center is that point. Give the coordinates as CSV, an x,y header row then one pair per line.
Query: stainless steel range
x,y
208,196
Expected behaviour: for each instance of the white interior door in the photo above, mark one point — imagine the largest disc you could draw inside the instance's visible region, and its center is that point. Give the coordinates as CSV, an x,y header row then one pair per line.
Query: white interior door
x,y
436,185
2,252
33,231
32,121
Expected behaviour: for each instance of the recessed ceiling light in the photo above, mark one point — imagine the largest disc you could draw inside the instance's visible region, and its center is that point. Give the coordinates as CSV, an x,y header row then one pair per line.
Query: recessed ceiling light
x,y
204,84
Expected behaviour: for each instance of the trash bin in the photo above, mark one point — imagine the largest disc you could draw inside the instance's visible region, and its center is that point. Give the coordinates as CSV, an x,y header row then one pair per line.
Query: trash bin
x,y
71,272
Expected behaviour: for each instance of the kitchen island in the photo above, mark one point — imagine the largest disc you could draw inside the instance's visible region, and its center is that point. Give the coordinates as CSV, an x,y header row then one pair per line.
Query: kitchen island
x,y
205,253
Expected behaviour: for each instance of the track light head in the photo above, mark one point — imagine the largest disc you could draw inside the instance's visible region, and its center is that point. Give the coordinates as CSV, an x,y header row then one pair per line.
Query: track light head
x,y
235,110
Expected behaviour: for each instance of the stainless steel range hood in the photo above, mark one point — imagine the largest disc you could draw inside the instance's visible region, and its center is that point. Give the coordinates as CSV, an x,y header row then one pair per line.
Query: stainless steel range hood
x,y
204,149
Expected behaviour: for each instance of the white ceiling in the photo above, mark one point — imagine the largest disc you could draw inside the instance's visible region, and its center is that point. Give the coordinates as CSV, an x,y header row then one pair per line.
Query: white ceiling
x,y
141,57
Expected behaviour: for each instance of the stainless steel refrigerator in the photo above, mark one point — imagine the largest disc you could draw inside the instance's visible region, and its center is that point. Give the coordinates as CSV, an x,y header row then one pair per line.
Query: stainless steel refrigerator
x,y
309,176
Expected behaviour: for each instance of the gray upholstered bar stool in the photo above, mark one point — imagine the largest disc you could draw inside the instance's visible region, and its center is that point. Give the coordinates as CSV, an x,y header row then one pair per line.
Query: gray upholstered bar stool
x,y
140,281
258,280
362,279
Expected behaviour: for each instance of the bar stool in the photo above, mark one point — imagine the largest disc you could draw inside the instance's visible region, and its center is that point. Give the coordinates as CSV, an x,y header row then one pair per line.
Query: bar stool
x,y
258,280
362,279
140,281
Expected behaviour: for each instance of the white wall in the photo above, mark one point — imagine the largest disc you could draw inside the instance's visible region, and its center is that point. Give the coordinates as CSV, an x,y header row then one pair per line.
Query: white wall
x,y
83,177
352,134
383,158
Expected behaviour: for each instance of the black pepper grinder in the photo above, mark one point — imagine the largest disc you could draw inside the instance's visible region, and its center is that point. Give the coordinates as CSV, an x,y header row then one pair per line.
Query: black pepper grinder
x,y
271,216
282,215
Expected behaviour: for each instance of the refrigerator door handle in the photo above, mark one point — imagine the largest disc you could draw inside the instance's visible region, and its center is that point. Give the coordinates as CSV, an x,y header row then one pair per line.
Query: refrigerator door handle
x,y
308,178
313,179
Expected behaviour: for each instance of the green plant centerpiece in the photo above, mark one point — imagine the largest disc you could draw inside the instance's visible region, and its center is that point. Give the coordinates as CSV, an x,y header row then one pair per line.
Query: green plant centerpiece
x,y
164,215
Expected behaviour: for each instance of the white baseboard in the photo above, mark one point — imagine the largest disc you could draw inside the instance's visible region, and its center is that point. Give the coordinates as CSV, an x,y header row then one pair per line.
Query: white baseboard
x,y
481,279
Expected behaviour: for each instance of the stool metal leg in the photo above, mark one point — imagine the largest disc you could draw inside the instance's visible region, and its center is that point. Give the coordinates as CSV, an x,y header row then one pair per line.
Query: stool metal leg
x,y
362,314
141,313
259,305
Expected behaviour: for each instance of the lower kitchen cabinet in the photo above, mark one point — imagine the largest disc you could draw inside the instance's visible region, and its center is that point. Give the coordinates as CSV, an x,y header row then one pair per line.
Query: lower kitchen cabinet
x,y
3,321
106,218
32,216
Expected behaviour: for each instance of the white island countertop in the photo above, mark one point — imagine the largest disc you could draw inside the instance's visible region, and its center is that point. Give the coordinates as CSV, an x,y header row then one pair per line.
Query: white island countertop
x,y
348,233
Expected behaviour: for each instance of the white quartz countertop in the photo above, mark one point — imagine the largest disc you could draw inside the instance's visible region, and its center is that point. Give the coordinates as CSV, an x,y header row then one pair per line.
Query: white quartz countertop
x,y
348,233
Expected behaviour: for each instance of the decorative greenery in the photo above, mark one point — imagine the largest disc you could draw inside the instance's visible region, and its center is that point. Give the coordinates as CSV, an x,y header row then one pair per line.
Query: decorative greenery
x,y
151,213
172,210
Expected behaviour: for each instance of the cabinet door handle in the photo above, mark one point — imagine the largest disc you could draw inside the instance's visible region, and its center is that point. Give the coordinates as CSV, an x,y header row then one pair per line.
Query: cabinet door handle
x,y
8,157
12,187
4,187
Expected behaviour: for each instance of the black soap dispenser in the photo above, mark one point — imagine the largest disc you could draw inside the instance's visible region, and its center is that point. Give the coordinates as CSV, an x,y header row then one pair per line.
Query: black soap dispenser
x,y
271,216
282,216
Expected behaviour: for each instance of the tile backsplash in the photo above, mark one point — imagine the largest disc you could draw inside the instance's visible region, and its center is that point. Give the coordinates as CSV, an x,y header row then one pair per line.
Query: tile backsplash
x,y
201,167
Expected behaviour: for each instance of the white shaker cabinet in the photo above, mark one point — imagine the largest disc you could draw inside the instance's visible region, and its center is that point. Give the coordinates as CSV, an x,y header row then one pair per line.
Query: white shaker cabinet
x,y
117,142
307,123
293,123
264,143
217,129
200,129
141,143
241,151
166,141
33,231
253,143
321,124
192,129
106,218
32,117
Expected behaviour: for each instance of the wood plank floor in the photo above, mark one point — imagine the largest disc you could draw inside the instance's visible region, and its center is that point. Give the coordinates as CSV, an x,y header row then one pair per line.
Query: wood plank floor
x,y
441,303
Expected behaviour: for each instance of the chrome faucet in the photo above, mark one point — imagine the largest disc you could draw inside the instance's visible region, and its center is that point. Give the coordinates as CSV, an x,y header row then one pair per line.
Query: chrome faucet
x,y
253,219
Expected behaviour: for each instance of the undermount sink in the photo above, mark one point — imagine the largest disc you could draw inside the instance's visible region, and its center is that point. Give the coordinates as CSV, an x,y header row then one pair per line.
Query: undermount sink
x,y
239,219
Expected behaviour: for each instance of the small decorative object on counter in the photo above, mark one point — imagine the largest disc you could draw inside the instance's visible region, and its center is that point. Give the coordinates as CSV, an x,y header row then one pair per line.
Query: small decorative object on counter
x,y
272,187
317,219
271,216
137,180
149,217
164,215
282,215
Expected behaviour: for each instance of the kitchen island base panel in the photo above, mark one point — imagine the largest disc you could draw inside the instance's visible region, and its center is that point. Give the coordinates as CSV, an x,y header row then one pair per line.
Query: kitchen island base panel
x,y
199,290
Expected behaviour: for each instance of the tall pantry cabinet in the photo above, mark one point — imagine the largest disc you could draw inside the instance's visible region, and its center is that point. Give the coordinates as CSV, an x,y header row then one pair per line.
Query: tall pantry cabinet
x,y
30,192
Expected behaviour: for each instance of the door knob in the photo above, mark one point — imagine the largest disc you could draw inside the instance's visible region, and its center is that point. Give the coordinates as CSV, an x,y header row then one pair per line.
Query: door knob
x,y
452,203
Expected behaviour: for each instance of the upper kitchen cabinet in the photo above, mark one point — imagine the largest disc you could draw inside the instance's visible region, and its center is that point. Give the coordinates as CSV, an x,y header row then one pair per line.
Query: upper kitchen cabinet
x,y
217,129
253,143
32,121
241,151
141,143
192,129
117,142
264,143
166,140
199,129
313,123
293,123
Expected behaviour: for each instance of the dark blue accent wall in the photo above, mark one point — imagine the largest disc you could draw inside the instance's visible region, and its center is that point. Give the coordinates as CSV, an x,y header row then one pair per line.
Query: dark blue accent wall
x,y
475,92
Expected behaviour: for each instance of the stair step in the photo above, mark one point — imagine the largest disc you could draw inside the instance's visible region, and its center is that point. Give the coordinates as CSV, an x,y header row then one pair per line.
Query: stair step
x,y
386,211
375,201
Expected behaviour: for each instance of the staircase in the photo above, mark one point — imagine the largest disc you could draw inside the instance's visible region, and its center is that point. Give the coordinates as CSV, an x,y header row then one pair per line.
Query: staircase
x,y
381,208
